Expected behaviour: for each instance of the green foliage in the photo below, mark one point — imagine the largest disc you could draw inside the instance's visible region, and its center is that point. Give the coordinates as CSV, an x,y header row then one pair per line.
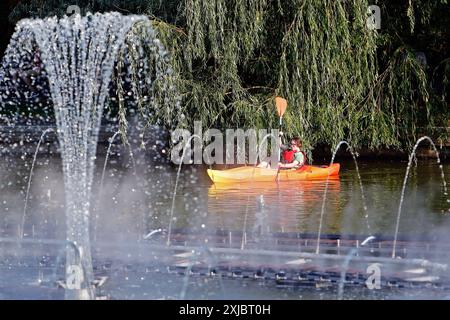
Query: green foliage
x,y
230,58
318,55
400,102
219,38
327,67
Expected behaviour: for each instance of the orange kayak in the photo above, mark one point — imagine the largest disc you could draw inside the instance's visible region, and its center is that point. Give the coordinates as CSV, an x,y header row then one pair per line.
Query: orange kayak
x,y
255,174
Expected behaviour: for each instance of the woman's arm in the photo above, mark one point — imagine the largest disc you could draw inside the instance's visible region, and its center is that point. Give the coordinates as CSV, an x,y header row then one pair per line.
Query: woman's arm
x,y
288,165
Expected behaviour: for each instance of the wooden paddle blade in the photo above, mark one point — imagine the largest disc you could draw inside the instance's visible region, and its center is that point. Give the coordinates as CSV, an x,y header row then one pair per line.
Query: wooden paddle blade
x,y
281,105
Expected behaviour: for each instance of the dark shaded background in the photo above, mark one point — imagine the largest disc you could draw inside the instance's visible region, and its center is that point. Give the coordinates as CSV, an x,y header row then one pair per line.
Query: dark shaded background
x,y
431,37
6,26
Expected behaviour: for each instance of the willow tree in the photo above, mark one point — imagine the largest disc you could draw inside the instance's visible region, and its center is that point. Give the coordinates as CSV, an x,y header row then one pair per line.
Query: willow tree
x,y
210,56
320,55
230,58
327,69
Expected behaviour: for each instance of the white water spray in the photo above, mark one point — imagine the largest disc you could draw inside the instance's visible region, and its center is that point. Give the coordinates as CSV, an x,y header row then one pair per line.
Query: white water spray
x,y
363,198
411,158
77,56
25,207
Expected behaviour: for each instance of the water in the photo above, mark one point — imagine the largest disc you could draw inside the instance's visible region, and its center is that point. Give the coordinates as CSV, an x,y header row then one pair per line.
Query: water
x,y
287,207
212,262
260,227
186,147
77,56
29,180
299,206
102,179
244,227
108,152
74,59
346,264
411,158
363,198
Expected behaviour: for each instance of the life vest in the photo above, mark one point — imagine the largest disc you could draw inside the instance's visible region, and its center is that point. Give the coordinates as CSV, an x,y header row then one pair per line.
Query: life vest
x,y
289,156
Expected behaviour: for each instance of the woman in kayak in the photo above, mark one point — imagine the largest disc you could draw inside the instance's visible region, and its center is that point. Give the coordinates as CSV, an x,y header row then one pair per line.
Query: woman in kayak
x,y
292,156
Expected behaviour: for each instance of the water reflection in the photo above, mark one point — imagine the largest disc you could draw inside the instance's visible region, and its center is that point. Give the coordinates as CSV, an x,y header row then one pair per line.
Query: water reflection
x,y
261,209
293,206
125,202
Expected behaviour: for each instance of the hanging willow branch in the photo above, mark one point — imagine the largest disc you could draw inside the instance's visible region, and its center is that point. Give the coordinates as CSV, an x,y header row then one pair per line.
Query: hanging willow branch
x,y
230,58
327,67
319,55
219,37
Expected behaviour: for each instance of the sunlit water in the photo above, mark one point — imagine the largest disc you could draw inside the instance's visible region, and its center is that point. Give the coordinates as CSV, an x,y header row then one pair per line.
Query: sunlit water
x,y
131,207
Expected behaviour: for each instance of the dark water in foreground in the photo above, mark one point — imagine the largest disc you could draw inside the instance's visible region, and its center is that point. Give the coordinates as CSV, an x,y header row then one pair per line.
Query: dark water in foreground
x,y
130,205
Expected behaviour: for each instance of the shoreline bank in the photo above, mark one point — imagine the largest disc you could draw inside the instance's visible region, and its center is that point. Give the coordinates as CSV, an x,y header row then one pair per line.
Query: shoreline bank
x,y
24,137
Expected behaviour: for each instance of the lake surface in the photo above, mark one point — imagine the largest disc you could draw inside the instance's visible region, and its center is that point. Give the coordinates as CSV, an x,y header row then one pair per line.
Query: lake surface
x,y
136,199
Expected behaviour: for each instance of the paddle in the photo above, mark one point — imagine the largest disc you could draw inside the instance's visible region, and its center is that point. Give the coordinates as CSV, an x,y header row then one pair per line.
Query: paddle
x,y
281,105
